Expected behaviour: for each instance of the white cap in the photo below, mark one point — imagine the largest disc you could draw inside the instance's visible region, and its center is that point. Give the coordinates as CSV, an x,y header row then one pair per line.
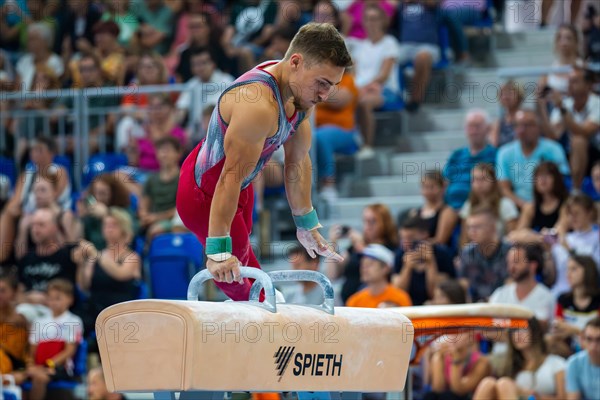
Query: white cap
x,y
380,253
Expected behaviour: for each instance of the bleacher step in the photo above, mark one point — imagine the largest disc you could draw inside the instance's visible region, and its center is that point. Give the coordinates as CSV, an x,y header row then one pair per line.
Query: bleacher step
x,y
415,164
430,120
386,186
432,141
352,208
523,58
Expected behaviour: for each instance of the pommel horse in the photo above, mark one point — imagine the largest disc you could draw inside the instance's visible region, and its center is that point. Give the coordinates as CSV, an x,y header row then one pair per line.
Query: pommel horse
x,y
204,349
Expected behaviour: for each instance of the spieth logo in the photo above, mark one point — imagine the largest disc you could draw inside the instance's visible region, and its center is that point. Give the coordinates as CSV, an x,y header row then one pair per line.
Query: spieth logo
x,y
282,359
307,364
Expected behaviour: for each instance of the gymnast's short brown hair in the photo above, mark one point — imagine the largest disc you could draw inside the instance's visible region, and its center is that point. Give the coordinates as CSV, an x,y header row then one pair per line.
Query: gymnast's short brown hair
x,y
320,43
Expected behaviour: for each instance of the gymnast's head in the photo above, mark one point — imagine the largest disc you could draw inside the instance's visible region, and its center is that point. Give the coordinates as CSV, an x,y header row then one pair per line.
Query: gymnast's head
x,y
316,59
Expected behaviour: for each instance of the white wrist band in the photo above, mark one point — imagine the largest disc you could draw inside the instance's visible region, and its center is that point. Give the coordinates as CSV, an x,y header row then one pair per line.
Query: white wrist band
x,y
219,257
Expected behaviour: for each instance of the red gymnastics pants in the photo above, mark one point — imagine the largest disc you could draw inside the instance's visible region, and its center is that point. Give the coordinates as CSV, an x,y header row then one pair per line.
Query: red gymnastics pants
x,y
193,206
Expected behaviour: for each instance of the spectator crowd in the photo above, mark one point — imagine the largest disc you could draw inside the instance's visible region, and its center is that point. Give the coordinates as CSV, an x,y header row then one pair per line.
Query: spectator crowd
x,y
512,218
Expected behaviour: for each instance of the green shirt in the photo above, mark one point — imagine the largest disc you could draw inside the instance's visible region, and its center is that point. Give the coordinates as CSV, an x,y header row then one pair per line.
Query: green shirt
x,y
162,194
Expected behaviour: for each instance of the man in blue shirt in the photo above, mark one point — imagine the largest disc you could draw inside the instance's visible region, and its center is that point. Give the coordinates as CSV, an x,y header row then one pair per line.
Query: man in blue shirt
x,y
583,368
516,161
458,167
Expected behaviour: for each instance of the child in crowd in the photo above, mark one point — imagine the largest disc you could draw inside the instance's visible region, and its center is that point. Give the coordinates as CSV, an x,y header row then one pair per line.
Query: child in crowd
x,y
54,340
157,207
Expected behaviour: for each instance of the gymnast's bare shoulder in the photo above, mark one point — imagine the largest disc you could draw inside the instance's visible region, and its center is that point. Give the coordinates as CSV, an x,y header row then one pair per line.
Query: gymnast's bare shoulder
x,y
253,103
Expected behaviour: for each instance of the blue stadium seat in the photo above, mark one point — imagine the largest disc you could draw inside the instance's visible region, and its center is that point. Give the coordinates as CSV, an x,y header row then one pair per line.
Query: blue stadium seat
x,y
9,395
7,167
75,196
102,163
143,290
173,259
10,391
587,187
65,162
134,203
62,161
79,370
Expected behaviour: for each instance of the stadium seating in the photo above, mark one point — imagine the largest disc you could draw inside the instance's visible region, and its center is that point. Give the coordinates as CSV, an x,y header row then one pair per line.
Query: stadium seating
x,y
102,163
7,168
173,259
10,391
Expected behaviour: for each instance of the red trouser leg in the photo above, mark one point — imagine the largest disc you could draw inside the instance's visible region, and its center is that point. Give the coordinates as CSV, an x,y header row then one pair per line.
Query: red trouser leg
x,y
193,206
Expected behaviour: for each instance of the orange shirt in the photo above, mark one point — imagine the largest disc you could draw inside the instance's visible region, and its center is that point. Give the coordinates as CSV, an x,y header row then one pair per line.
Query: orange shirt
x,y
344,117
391,294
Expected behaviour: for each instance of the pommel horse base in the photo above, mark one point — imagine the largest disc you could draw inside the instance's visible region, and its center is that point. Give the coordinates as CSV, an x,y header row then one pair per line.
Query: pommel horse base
x,y
204,349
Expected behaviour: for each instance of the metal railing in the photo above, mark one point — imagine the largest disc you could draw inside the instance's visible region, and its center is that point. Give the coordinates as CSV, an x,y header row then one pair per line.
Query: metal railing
x,y
72,125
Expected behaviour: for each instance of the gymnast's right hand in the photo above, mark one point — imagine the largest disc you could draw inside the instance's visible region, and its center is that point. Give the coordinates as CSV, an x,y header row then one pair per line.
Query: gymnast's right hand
x,y
225,271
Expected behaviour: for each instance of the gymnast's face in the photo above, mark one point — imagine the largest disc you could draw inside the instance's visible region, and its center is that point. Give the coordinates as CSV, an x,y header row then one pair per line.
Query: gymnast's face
x,y
311,83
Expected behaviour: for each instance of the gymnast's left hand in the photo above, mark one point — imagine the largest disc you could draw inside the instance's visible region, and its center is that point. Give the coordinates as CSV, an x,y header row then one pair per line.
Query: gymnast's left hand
x,y
315,244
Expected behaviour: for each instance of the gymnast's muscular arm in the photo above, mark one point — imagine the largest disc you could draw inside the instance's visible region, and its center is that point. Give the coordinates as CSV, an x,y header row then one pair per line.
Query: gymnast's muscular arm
x,y
298,169
250,123
298,182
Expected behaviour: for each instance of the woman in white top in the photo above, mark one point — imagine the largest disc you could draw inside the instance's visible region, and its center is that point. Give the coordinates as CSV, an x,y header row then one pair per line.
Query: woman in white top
x,y
528,371
566,50
376,61
582,240
485,191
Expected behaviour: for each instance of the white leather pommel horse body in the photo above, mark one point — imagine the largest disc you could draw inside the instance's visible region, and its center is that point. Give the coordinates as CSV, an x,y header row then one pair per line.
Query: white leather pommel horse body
x,y
197,347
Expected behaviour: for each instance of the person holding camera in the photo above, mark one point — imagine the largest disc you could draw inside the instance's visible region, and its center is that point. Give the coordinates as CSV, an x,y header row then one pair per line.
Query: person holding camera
x,y
105,191
575,121
483,260
378,227
420,265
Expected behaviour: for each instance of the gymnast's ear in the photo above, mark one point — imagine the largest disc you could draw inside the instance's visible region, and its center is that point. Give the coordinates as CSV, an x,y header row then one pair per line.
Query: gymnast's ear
x,y
295,60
